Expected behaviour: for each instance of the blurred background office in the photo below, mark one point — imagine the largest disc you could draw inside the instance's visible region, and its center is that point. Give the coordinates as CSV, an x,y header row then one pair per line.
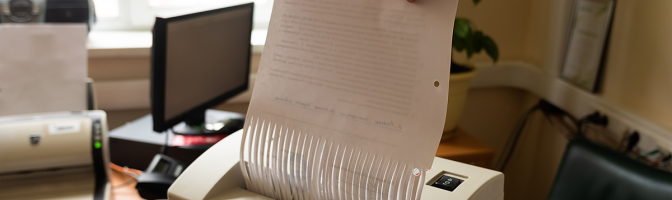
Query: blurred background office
x,y
634,89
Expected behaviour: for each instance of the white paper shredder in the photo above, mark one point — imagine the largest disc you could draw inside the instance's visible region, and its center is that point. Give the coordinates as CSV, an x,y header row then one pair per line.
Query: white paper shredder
x,y
216,174
60,155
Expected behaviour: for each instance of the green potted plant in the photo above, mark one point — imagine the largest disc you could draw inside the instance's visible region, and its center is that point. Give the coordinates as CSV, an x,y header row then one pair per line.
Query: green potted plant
x,y
465,38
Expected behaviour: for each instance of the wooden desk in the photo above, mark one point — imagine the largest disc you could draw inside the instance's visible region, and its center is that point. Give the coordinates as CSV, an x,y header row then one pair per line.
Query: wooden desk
x,y
467,149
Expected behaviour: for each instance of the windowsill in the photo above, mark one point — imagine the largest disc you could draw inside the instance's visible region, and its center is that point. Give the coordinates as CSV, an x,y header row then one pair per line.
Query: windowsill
x,y
110,44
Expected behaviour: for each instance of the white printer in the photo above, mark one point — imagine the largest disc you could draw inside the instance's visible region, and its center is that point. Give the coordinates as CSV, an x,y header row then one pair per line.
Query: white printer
x,y
216,174
61,155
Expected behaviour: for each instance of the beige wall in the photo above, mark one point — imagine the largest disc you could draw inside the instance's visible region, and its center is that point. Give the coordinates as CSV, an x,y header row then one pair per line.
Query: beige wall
x,y
536,40
117,69
491,114
638,74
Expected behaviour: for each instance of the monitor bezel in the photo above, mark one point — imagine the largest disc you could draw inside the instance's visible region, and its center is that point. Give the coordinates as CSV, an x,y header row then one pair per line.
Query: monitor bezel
x,y
158,70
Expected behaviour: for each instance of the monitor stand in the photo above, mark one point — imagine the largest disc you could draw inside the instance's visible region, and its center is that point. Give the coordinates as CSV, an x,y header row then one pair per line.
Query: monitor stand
x,y
210,122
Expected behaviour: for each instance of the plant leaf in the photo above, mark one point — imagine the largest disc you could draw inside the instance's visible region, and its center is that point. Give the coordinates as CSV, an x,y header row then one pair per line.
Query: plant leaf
x,y
469,45
461,28
478,41
490,48
458,43
476,2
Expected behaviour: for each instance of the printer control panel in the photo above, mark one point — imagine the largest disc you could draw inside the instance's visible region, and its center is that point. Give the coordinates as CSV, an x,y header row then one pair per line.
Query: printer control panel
x,y
447,182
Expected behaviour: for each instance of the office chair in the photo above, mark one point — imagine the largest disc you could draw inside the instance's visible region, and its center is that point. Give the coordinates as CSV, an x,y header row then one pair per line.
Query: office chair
x,y
589,171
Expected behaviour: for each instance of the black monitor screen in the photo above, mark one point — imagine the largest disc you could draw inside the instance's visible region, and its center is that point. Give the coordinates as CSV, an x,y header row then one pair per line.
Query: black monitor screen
x,y
198,61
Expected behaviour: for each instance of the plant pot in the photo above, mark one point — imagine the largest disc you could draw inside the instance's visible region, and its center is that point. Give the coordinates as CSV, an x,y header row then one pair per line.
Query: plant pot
x,y
460,78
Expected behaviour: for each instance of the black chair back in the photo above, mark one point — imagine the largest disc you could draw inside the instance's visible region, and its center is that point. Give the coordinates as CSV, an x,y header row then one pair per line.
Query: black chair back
x,y
593,172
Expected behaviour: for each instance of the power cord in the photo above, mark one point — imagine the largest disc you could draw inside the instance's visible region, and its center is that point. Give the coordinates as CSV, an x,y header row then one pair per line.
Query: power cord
x,y
632,141
551,113
165,142
559,118
596,118
511,143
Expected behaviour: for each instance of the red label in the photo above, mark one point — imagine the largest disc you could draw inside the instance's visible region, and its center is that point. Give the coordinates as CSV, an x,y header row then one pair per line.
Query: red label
x,y
188,140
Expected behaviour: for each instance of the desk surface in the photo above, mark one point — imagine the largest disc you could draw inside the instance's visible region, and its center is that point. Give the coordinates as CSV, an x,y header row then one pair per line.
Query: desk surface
x,y
467,149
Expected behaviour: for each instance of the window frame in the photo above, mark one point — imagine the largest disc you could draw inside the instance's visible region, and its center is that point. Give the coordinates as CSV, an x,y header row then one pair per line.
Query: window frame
x,y
138,15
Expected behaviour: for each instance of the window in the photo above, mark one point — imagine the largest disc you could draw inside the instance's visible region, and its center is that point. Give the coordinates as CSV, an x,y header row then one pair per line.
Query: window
x,y
107,8
139,14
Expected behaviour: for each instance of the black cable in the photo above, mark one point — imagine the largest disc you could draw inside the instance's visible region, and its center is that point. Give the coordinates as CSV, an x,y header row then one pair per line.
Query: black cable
x,y
666,158
549,110
632,142
510,146
595,118
165,142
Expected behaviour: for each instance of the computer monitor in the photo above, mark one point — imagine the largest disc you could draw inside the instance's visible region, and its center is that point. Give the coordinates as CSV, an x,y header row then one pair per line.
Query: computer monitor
x,y
199,60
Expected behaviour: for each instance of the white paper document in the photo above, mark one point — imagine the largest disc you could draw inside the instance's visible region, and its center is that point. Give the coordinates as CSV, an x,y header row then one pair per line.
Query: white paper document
x,y
43,68
350,99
